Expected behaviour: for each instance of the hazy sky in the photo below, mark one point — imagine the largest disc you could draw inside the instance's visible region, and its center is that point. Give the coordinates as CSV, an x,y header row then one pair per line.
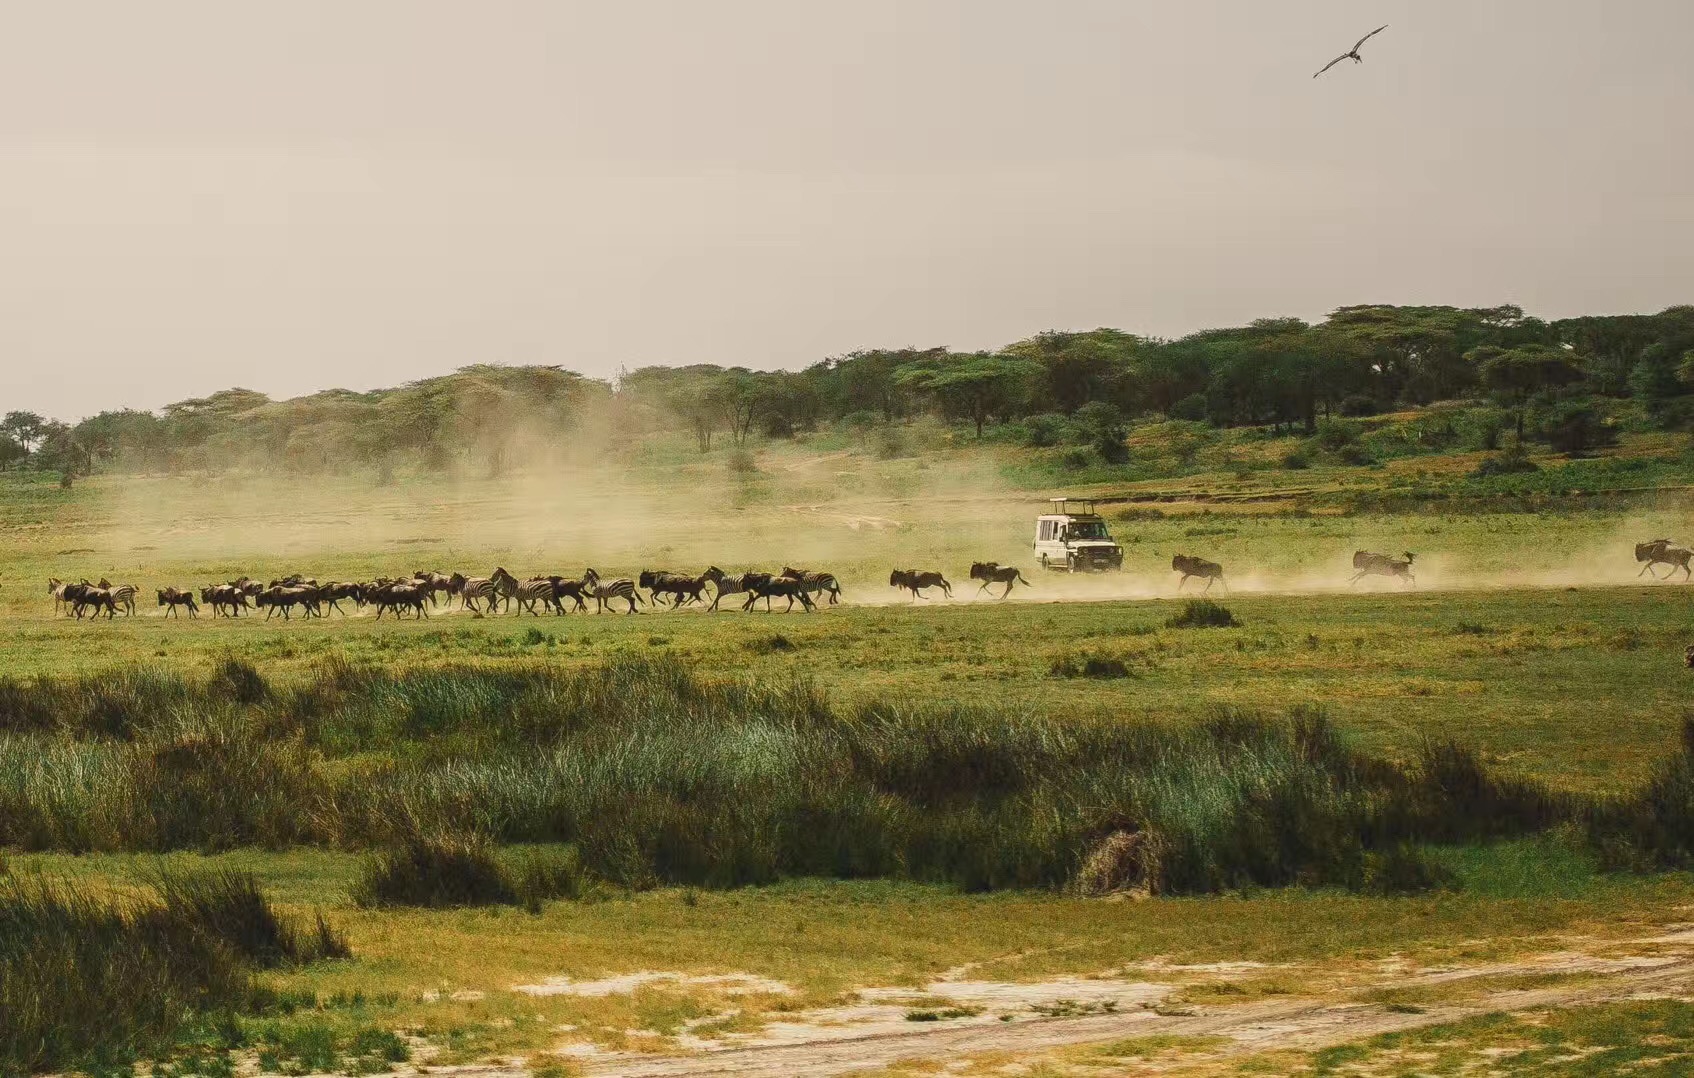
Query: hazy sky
x,y
196,194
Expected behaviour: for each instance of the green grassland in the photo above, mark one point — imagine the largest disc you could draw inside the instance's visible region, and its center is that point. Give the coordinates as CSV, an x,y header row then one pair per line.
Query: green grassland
x,y
1528,637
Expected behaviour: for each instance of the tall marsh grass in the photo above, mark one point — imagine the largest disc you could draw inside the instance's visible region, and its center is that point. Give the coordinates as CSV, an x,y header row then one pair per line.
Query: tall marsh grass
x,y
87,984
655,774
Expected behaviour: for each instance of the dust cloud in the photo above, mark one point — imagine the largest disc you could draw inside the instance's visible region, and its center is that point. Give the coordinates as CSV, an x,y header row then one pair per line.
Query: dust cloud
x,y
830,506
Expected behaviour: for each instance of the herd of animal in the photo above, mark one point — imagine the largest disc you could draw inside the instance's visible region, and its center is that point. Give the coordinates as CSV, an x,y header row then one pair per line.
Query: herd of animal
x,y
501,591
424,590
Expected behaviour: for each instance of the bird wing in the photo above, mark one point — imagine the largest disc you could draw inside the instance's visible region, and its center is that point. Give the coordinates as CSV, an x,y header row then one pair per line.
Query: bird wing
x,y
1331,64
1370,35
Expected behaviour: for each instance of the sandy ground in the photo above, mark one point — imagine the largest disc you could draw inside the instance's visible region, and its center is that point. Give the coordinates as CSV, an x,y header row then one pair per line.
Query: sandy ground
x,y
1026,1020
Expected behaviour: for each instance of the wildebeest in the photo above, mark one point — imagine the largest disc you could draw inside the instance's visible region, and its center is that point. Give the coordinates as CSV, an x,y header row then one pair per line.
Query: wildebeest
x,y
782,587
992,572
606,591
286,599
1660,552
398,596
172,598
811,582
682,588
1209,571
336,590
224,595
725,584
1368,564
916,580
87,595
437,584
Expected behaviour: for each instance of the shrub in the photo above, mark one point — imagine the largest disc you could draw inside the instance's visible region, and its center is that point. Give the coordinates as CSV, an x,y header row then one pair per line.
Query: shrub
x,y
1358,404
1296,461
1191,408
1511,462
230,907
1100,667
89,986
1044,430
1202,614
435,872
741,462
1574,429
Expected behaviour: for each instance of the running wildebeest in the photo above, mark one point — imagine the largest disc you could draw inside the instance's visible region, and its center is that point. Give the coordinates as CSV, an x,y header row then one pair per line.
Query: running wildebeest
x,y
1369,564
782,587
172,598
225,595
992,572
681,588
1660,552
1209,571
916,580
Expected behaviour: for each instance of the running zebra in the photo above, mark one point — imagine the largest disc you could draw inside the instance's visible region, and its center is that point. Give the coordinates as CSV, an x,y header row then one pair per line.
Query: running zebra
x,y
171,599
992,572
604,592
56,588
916,580
122,595
1368,564
811,582
1209,571
477,589
538,589
724,584
1660,552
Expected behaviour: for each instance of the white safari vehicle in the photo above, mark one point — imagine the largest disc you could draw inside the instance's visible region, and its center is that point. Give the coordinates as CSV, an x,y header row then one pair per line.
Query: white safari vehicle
x,y
1073,539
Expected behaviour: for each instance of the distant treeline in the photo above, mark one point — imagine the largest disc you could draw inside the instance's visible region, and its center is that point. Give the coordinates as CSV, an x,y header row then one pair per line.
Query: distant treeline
x,y
1276,372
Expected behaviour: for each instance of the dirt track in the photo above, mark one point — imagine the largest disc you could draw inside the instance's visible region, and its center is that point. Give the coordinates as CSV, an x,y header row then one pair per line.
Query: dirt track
x,y
1253,1027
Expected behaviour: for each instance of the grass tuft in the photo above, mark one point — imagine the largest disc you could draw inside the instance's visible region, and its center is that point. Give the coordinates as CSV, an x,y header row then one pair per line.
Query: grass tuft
x,y
1202,614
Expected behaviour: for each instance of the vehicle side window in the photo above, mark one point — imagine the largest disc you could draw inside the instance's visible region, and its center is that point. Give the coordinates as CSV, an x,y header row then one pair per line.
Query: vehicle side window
x,y
1046,530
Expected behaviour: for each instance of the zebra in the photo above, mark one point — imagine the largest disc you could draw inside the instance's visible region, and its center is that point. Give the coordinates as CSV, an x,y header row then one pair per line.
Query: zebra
x,y
122,595
538,589
475,589
724,584
811,582
992,572
1660,552
604,592
171,599
1209,571
56,588
915,581
787,587
222,595
1369,564
681,588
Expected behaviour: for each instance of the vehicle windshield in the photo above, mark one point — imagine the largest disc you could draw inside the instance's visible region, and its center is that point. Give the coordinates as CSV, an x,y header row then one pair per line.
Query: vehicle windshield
x,y
1086,529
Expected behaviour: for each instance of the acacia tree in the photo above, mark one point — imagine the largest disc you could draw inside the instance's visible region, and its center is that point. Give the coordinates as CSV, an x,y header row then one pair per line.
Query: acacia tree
x,y
973,385
1516,374
24,428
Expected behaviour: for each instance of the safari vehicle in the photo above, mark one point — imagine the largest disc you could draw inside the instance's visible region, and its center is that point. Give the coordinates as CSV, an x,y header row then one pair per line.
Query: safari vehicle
x,y
1073,539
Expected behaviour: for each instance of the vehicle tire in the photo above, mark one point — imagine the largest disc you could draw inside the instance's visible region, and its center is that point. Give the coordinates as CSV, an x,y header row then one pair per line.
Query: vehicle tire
x,y
1043,560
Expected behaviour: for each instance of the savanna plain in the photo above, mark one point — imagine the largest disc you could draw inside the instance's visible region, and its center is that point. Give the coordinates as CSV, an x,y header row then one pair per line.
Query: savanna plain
x,y
1302,826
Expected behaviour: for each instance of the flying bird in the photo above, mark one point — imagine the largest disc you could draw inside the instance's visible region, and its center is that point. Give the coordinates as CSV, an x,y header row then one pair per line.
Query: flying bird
x,y
1353,52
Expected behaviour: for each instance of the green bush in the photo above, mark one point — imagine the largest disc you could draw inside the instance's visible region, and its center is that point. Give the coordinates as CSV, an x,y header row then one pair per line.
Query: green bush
x,y
435,871
1202,614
